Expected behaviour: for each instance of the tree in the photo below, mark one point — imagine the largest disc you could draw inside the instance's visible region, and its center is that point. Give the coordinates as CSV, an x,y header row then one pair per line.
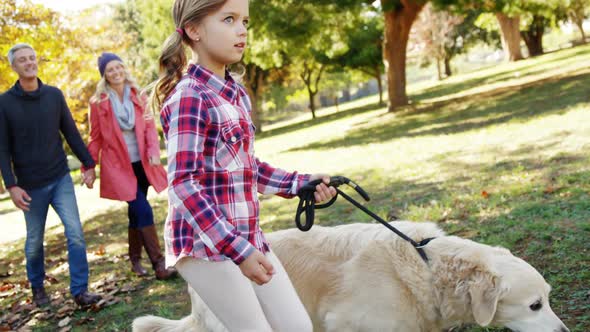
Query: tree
x,y
436,34
67,53
399,17
150,23
577,11
365,48
537,15
306,35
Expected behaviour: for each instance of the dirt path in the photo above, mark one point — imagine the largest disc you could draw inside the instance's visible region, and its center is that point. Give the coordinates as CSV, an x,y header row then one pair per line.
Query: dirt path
x,y
12,224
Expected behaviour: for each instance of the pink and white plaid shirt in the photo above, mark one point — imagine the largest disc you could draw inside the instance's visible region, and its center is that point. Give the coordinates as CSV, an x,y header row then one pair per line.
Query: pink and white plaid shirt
x,y
213,175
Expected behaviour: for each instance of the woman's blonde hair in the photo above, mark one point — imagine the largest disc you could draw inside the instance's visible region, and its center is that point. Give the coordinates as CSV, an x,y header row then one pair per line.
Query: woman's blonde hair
x,y
172,61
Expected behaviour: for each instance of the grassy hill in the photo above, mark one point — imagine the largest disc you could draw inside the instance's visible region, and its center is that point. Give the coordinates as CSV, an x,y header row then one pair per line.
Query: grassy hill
x,y
501,156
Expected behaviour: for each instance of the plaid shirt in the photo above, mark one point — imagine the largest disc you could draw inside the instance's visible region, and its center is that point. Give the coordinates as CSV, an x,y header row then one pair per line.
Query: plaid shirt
x,y
213,175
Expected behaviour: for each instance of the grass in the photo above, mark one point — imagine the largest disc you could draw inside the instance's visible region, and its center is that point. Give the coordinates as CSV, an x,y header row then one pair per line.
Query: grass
x,y
495,156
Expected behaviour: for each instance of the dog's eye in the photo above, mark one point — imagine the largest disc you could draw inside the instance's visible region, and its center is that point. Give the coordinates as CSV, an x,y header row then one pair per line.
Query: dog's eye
x,y
536,306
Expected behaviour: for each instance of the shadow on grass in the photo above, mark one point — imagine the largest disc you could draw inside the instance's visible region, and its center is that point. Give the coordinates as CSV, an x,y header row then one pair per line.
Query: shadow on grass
x,y
566,58
318,121
546,97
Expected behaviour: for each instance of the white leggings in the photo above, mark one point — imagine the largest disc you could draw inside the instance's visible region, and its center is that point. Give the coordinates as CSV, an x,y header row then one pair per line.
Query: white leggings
x,y
242,305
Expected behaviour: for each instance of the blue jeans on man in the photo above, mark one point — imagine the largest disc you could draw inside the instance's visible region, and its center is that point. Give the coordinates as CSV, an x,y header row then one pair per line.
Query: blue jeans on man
x,y
61,196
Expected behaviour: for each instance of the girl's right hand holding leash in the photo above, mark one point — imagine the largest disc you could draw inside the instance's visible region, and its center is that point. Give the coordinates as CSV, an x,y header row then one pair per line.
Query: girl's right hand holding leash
x,y
257,268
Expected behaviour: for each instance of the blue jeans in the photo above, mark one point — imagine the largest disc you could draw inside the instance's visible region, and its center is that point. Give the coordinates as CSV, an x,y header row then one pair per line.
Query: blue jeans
x,y
61,196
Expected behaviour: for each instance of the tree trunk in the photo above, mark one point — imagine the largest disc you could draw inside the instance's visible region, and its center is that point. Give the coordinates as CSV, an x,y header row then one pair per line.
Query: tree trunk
x,y
509,27
580,25
379,84
336,103
438,69
255,85
448,71
312,85
311,95
533,36
398,23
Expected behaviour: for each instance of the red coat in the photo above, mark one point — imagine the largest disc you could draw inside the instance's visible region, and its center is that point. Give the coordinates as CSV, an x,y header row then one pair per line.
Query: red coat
x,y
108,148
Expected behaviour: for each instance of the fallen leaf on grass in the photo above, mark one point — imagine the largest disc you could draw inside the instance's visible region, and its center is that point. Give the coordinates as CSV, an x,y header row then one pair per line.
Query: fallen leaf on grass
x,y
485,194
84,320
549,190
13,318
64,322
101,251
51,279
66,310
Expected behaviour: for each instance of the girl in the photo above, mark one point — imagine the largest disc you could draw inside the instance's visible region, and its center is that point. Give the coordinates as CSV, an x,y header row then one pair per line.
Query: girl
x,y
123,134
212,233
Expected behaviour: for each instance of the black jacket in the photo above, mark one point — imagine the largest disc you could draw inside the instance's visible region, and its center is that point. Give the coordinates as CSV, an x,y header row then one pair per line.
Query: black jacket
x,y
31,148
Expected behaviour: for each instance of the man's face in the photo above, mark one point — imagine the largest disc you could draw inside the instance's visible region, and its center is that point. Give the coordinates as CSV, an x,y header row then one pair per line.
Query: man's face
x,y
25,63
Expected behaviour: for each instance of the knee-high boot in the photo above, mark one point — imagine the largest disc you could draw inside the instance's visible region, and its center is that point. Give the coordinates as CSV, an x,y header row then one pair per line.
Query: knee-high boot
x,y
135,248
152,246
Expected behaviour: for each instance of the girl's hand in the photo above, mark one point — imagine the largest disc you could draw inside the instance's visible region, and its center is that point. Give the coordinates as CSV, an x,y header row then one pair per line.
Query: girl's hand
x,y
257,268
322,191
154,160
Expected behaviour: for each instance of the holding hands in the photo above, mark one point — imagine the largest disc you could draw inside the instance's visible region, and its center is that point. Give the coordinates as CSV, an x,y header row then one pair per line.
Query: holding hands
x,y
88,177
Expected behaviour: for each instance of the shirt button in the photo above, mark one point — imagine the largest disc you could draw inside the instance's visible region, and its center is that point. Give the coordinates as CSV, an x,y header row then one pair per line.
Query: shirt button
x,y
233,139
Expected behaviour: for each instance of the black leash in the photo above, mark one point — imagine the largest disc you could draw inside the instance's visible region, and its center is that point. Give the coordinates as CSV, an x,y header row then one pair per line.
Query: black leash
x,y
307,204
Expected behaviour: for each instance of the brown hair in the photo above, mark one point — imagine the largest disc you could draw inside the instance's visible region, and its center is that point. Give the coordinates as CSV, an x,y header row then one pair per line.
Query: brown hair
x,y
173,61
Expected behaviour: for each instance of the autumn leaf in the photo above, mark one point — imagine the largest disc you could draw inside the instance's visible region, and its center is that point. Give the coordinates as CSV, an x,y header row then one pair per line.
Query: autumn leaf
x,y
549,190
64,322
51,279
101,251
485,194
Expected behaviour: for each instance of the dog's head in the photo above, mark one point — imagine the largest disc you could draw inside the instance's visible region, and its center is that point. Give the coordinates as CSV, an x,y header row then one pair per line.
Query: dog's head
x,y
514,295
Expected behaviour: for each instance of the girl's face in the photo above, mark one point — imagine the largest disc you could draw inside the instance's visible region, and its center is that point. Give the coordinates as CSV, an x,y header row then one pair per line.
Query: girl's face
x,y
223,35
114,73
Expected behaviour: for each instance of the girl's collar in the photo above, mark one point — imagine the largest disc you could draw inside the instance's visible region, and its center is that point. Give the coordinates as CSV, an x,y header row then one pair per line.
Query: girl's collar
x,y
226,88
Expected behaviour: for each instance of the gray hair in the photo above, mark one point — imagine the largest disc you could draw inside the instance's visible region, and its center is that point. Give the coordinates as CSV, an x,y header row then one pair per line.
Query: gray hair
x,y
16,48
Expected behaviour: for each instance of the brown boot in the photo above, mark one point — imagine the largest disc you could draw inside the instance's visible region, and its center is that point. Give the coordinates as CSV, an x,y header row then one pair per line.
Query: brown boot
x,y
135,248
152,246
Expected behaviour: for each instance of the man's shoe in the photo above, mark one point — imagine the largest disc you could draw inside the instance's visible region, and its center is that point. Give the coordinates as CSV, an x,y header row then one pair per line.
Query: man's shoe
x,y
86,298
40,297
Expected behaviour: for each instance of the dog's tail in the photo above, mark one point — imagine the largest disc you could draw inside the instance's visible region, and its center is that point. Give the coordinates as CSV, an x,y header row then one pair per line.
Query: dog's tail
x,y
158,324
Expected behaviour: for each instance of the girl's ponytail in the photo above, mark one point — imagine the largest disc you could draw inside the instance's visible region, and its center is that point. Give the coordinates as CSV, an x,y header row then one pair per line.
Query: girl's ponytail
x,y
172,62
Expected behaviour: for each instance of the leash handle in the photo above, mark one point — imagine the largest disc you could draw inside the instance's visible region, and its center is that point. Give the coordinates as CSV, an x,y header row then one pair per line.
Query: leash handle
x,y
335,181
307,205
307,202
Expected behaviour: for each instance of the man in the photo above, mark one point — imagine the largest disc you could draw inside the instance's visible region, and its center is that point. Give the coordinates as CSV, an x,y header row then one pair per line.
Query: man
x,y
34,167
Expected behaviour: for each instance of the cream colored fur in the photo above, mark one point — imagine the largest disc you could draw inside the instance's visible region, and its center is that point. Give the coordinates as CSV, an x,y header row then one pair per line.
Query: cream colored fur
x,y
362,277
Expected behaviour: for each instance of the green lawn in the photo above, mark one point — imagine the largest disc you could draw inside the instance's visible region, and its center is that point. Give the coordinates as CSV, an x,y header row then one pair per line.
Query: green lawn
x,y
500,155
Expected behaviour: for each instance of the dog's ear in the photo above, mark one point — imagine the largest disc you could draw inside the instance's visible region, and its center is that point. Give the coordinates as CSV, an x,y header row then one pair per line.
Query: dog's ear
x,y
485,291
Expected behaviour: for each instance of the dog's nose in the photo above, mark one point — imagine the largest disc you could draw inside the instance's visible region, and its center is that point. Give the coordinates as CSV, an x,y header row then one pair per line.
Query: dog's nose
x,y
564,329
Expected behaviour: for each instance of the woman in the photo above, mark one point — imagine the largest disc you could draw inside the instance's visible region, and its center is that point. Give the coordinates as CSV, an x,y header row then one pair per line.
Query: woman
x,y
124,138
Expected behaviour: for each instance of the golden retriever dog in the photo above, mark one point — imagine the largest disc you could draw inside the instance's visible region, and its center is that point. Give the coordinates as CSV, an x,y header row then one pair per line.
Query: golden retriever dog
x,y
363,277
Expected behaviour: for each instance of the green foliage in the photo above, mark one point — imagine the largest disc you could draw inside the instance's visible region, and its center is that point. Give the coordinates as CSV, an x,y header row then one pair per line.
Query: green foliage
x,y
364,43
67,49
